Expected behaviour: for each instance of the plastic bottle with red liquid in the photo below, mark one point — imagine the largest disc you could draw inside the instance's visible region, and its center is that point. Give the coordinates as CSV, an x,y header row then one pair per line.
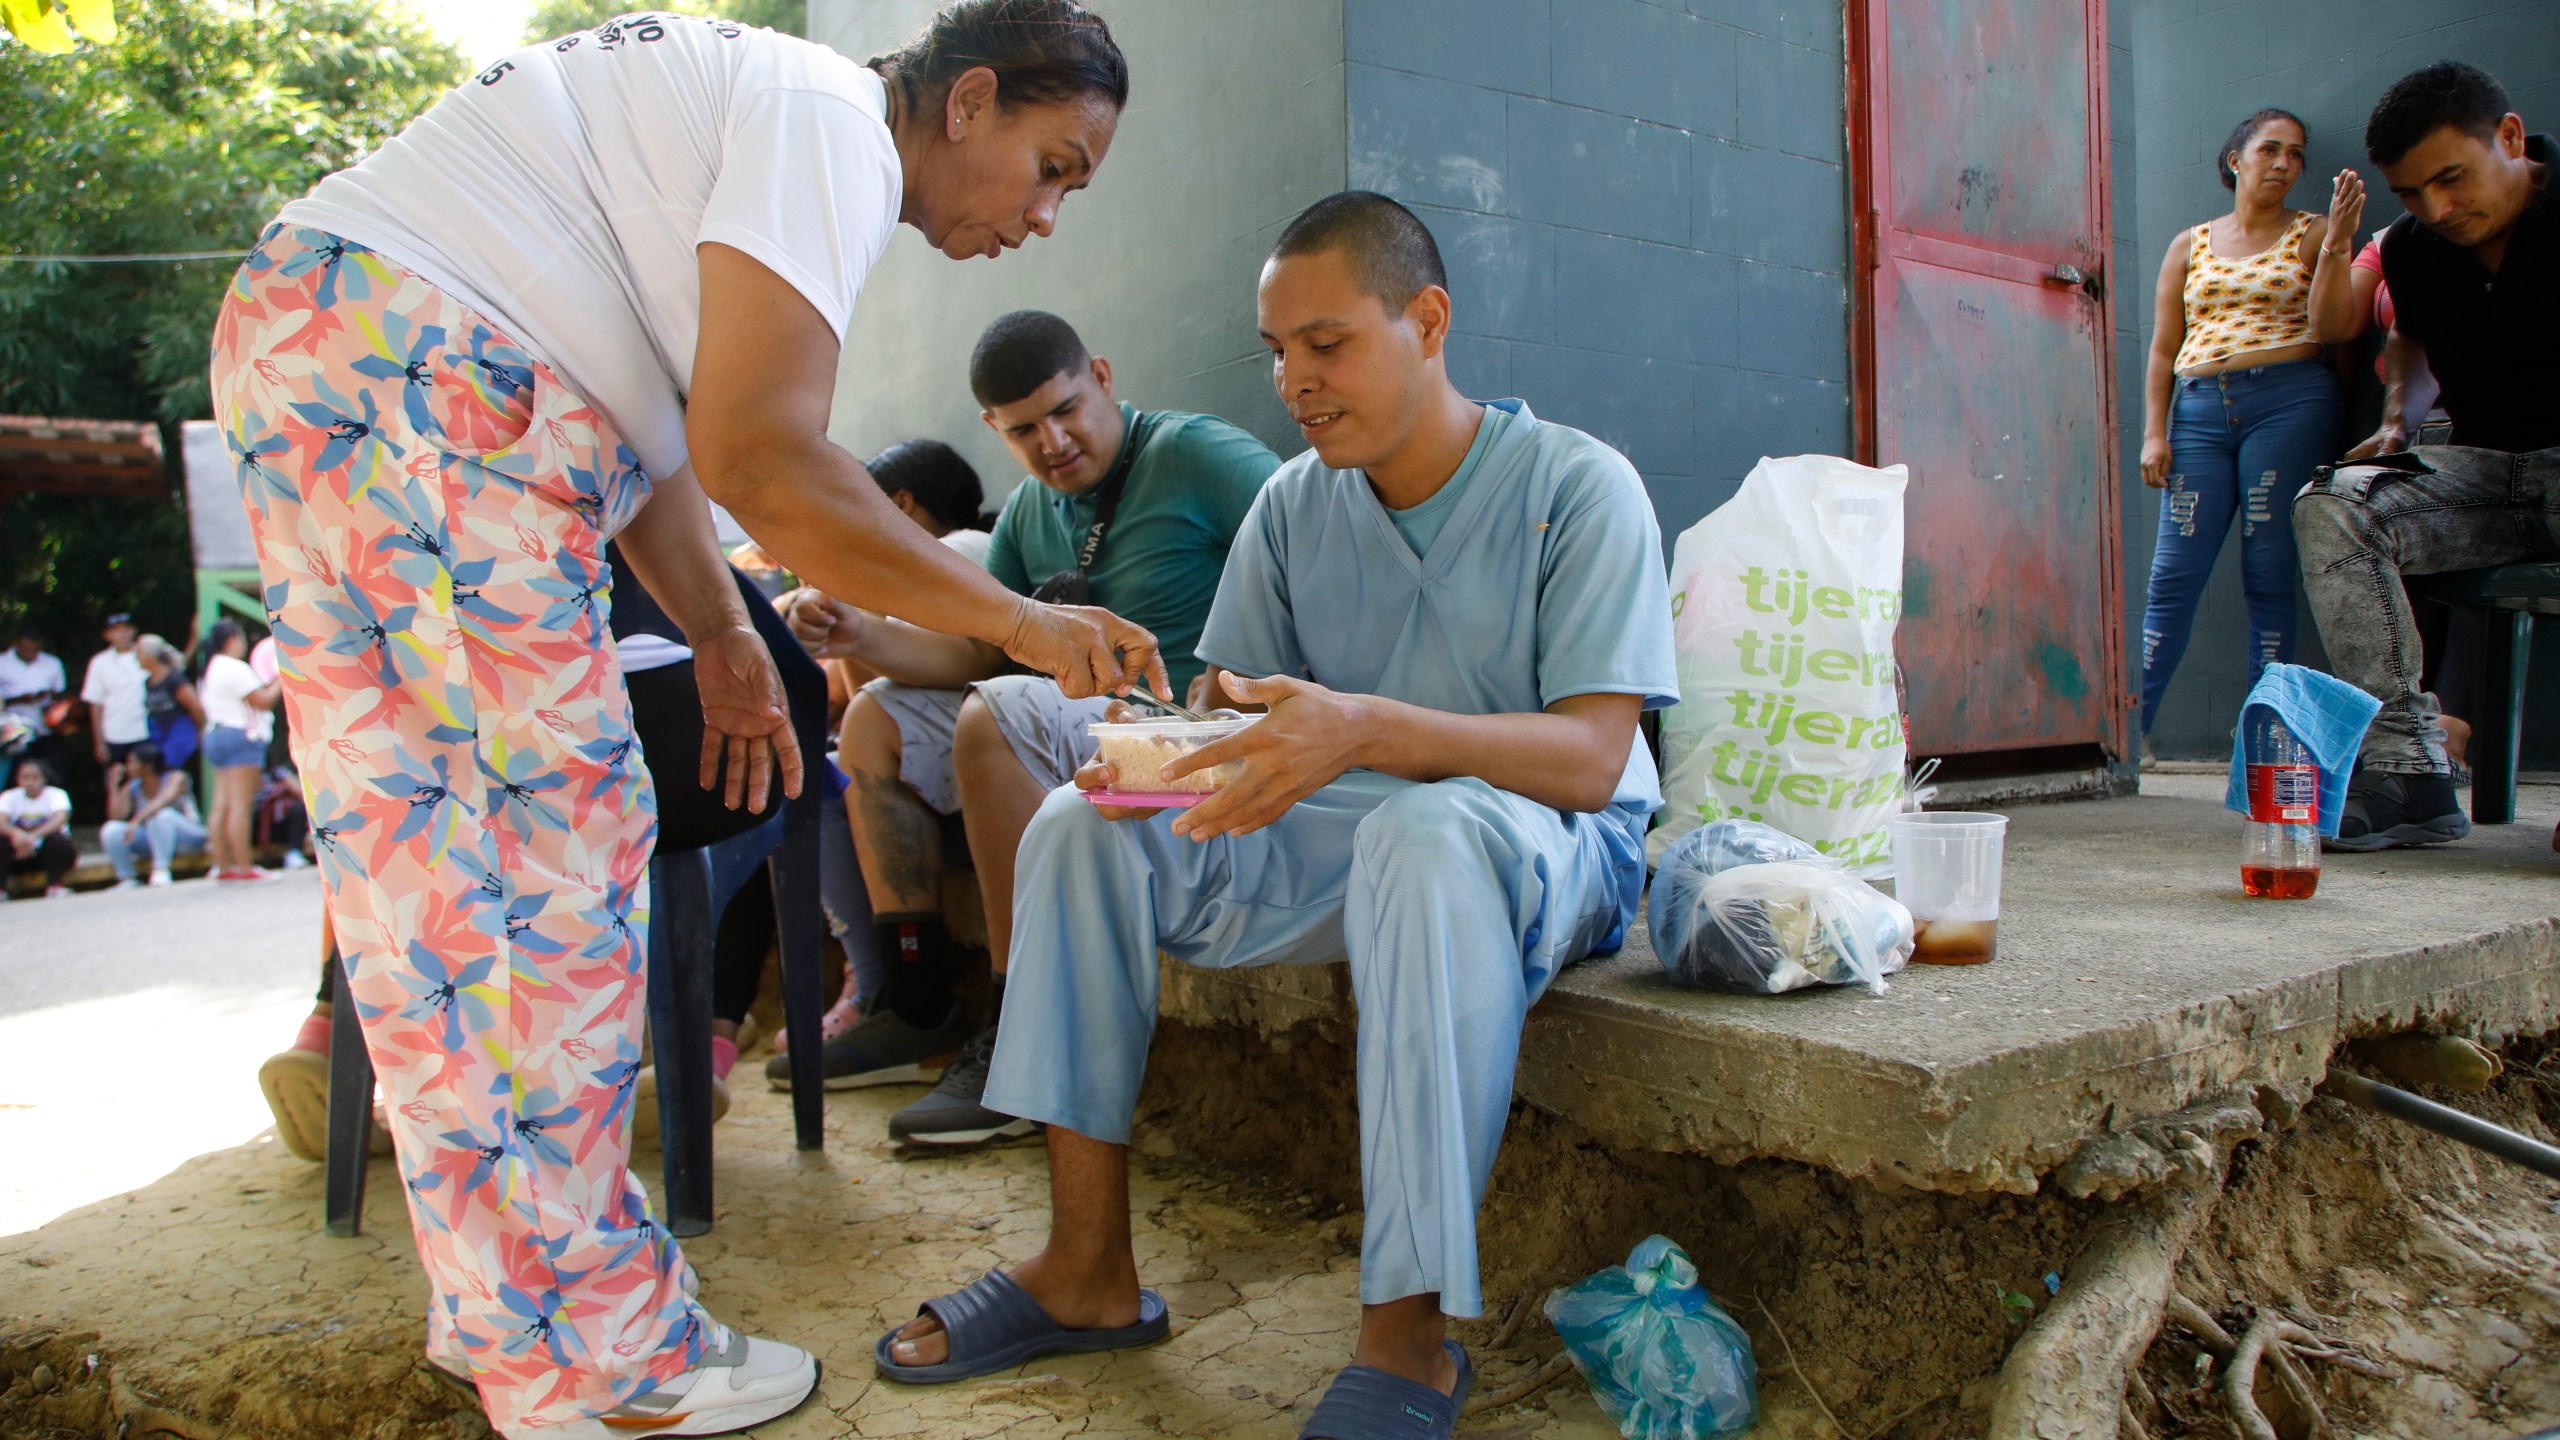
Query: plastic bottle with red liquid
x,y
2280,853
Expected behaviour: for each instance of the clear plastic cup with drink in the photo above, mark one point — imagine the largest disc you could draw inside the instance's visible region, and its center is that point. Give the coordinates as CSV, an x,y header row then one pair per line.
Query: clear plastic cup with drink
x,y
1946,872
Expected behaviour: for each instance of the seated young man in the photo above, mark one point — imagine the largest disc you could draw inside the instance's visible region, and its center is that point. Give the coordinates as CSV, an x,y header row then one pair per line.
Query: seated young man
x,y
1133,509
2474,271
1453,615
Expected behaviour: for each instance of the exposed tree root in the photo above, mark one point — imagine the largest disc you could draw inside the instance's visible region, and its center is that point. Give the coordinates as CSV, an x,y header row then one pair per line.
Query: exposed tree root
x,y
1558,1365
2283,1346
2065,1379
2240,1379
2138,1403
137,1417
1511,1323
1797,1367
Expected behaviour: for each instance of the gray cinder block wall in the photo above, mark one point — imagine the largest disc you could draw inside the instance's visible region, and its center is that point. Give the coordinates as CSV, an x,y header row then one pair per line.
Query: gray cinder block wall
x,y
2197,68
1643,208
1235,124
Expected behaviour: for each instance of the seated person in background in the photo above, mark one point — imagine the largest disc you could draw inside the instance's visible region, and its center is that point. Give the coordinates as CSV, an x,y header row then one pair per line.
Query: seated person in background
x,y
2341,311
35,814
2474,271
1455,613
1133,509
283,820
151,811
31,680
932,485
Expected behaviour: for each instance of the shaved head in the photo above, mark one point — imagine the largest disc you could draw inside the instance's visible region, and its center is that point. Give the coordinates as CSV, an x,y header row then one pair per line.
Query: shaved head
x,y
1390,250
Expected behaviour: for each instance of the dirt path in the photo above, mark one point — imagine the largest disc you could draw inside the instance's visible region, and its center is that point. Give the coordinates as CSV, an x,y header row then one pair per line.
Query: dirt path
x,y
218,1309
215,1291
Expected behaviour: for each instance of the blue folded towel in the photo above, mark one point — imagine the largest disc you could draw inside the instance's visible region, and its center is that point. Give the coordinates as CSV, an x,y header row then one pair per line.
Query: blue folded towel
x,y
2326,714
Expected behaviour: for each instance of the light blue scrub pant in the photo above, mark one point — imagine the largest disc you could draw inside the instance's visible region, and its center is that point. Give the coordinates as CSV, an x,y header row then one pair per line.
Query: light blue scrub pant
x,y
1457,904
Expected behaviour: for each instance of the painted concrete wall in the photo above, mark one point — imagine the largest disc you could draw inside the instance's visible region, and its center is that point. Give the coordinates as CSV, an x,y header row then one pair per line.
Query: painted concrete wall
x,y
1643,211
1235,124
2199,66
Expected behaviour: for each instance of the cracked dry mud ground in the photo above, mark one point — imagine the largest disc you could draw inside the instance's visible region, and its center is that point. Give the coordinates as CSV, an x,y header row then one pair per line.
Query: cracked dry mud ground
x,y
214,1293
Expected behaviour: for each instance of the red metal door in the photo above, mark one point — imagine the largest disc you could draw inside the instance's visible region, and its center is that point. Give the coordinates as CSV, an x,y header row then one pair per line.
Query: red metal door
x,y
1984,186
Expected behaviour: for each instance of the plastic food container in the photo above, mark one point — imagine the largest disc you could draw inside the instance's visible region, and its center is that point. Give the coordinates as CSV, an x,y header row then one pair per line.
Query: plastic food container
x,y
1141,749
1946,871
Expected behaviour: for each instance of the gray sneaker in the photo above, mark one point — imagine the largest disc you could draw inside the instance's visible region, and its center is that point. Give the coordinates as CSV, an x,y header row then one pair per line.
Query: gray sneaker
x,y
955,1114
883,1049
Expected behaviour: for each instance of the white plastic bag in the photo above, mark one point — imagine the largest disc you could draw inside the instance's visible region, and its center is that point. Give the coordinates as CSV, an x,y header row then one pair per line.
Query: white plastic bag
x,y
1783,607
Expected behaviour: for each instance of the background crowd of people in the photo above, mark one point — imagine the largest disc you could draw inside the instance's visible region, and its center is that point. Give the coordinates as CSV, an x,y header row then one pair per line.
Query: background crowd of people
x,y
147,715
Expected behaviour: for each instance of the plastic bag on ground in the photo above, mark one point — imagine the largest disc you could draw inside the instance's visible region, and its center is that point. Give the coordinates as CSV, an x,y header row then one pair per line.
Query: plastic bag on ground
x,y
1659,1354
1742,907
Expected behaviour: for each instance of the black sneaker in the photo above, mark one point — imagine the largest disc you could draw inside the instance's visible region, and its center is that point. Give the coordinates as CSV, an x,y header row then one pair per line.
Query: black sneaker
x,y
955,1113
2385,809
883,1049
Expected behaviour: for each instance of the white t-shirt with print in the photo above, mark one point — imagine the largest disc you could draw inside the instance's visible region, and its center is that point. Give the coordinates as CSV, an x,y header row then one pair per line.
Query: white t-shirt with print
x,y
225,691
561,192
26,811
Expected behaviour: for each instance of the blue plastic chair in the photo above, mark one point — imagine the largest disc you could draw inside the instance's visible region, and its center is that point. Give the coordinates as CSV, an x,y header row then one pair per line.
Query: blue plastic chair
x,y
688,890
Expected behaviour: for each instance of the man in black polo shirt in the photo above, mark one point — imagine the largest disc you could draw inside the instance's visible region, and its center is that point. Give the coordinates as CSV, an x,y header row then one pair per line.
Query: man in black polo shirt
x,y
2474,271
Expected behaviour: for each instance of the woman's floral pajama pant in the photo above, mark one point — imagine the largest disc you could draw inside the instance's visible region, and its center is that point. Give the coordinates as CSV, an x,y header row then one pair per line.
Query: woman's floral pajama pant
x,y
430,505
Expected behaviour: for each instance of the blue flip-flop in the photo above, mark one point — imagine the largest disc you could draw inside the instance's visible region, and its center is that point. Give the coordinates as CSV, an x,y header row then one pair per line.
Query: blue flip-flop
x,y
993,1324
1366,1403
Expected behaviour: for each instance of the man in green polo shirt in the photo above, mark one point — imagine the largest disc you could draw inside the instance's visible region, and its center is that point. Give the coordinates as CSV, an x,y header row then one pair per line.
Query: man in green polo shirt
x,y
947,731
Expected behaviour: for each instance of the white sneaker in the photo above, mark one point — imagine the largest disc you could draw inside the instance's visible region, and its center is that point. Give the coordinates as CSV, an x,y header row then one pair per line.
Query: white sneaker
x,y
295,860
127,883
752,1381
160,878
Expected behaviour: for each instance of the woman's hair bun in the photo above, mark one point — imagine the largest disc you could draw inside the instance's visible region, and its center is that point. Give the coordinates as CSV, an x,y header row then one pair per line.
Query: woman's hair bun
x,y
1044,52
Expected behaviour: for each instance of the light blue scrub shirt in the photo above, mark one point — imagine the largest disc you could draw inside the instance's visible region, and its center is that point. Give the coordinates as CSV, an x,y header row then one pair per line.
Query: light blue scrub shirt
x,y
1543,580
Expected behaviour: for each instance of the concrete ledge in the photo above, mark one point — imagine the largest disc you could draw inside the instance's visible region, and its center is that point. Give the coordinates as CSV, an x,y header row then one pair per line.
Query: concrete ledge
x,y
2134,979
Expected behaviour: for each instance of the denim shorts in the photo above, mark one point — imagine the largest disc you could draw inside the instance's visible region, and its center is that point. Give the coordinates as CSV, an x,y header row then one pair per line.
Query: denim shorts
x,y
228,747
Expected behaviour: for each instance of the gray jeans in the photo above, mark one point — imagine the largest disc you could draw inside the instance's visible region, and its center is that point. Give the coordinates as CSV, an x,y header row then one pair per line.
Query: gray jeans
x,y
2433,508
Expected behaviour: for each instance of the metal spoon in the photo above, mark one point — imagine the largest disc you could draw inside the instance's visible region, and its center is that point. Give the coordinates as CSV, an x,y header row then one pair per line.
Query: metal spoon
x,y
1177,707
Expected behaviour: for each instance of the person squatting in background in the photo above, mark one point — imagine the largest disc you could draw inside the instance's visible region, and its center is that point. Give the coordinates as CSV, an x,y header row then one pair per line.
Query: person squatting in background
x,y
35,816
151,811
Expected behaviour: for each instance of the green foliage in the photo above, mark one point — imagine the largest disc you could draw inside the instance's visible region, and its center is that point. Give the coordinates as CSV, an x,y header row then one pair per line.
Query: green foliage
x,y
554,18
187,132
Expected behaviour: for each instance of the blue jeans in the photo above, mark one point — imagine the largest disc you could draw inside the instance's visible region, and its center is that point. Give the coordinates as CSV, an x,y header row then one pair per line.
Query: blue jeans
x,y
2242,442
165,835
